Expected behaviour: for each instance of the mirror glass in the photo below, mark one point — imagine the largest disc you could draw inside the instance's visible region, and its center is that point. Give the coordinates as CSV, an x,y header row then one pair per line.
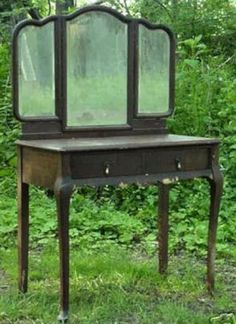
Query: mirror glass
x,y
96,70
154,64
36,71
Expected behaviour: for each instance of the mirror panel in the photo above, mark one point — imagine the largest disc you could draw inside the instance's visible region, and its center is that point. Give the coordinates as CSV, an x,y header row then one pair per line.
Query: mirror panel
x,y
154,65
36,71
96,70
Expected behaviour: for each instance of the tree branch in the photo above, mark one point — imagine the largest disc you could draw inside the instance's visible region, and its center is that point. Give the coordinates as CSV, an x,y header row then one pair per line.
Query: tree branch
x,y
126,7
99,2
165,8
34,13
49,8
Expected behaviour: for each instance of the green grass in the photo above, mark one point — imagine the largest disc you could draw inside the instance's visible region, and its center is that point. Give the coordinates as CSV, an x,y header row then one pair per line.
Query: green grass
x,y
114,285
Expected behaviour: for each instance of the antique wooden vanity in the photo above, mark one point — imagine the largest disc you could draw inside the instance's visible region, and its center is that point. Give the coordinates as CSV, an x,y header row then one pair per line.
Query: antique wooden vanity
x,y
93,90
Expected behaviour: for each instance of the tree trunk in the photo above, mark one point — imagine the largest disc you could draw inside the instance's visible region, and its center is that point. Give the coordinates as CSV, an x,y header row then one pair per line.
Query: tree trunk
x,y
174,9
62,6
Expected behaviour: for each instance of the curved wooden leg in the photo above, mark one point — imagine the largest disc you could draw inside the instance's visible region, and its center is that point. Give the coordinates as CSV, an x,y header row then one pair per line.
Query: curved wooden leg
x,y
216,186
23,235
163,226
23,227
63,193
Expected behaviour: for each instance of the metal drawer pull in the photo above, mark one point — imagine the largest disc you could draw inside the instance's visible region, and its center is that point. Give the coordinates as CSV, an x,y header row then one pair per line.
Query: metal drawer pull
x,y
178,164
107,169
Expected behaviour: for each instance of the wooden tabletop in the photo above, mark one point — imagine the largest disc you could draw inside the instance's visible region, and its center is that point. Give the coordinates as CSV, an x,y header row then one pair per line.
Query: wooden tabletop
x,y
115,142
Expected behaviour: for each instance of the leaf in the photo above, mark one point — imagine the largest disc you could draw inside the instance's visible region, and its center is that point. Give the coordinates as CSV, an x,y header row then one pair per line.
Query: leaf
x,y
5,172
191,62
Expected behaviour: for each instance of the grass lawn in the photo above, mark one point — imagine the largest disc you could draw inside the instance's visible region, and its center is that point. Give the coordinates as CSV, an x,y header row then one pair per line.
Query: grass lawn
x,y
117,286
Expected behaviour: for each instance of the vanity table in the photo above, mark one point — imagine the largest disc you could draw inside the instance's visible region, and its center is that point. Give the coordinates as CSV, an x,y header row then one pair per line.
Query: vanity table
x,y
93,90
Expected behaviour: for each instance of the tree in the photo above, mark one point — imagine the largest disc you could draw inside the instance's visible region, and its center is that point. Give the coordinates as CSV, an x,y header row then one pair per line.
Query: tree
x,y
63,6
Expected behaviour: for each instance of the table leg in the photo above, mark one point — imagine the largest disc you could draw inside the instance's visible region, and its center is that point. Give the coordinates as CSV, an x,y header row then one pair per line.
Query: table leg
x,y
23,234
163,226
216,187
63,193
23,226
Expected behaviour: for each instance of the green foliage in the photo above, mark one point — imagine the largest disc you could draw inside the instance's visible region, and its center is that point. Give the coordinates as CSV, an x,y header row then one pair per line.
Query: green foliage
x,y
213,19
8,126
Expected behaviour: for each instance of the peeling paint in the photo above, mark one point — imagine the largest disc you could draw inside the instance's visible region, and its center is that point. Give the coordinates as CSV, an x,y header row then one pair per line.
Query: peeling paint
x,y
167,181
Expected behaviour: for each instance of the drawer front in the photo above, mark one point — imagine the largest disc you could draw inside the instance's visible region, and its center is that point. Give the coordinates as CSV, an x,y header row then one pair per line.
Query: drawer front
x,y
98,164
109,164
186,159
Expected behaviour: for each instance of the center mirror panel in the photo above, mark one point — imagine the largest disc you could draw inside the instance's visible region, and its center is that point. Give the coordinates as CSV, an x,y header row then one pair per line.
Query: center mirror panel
x,y
96,70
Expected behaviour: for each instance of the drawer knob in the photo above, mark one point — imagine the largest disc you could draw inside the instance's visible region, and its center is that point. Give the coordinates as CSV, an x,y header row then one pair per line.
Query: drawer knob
x,y
178,164
107,169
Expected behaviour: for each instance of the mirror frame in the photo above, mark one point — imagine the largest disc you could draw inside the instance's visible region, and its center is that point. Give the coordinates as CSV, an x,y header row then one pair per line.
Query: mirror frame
x,y
139,114
15,66
56,125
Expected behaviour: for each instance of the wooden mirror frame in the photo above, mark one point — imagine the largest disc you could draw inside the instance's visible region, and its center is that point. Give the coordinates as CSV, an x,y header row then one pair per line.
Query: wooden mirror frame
x,y
55,126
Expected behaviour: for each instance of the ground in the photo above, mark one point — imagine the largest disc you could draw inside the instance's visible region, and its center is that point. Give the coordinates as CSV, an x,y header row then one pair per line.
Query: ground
x,y
114,285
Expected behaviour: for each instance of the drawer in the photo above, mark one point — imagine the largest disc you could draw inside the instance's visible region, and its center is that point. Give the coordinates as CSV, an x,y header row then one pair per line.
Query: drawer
x,y
133,162
185,159
109,164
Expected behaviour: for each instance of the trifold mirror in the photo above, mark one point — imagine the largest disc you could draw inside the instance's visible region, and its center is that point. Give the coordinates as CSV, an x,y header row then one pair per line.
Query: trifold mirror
x,y
92,68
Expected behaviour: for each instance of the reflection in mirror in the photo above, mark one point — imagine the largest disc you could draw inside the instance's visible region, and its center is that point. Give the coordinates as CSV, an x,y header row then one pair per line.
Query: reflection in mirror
x,y
36,71
96,70
154,56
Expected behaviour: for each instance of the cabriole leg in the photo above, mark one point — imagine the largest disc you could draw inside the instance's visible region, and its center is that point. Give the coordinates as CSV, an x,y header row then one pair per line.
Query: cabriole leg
x,y
23,235
216,187
63,193
163,226
23,227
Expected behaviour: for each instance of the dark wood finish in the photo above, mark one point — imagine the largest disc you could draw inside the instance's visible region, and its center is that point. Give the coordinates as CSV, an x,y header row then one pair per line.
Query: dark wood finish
x,y
163,207
55,126
62,193
15,65
144,161
23,225
40,167
47,164
118,142
56,157
216,188
35,130
62,164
